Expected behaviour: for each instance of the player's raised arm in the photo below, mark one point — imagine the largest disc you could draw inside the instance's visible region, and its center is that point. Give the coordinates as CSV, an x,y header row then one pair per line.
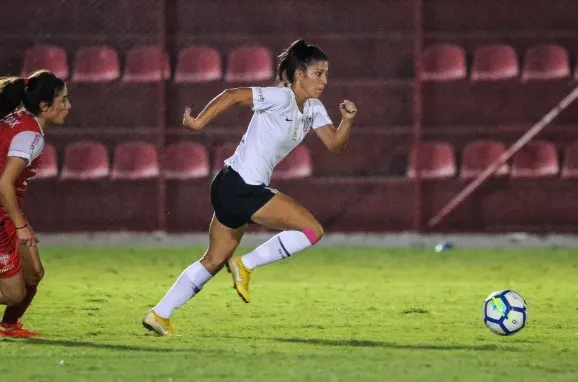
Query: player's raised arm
x,y
335,139
219,104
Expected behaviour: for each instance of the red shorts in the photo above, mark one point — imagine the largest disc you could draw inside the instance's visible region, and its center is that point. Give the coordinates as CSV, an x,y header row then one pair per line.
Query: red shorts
x,y
9,256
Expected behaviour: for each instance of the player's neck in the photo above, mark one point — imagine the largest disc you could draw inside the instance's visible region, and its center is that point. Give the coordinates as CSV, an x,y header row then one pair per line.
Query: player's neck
x,y
300,98
41,123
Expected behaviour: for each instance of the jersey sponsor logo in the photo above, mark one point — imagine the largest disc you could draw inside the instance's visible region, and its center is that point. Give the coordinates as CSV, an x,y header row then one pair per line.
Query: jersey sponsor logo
x,y
35,141
11,120
4,270
260,94
4,259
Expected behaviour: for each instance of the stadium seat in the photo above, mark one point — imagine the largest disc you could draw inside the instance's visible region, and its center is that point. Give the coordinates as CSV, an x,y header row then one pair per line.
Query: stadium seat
x,y
570,166
48,163
95,64
135,161
198,64
185,160
478,155
295,166
494,62
85,160
249,63
444,62
545,62
537,159
576,70
433,160
146,64
48,57
221,153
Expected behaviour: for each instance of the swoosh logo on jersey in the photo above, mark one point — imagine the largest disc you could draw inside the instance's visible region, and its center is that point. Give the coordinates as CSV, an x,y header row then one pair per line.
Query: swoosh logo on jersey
x,y
288,120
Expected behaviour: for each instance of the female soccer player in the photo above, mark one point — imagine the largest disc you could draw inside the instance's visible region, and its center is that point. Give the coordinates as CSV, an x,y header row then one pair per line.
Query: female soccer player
x,y
27,106
282,117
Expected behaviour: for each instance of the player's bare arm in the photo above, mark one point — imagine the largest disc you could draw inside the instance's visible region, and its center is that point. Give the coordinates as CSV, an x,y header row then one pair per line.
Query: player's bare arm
x,y
219,104
335,139
12,170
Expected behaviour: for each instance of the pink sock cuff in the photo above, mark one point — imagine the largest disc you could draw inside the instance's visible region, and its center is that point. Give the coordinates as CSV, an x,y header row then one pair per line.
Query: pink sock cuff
x,y
311,235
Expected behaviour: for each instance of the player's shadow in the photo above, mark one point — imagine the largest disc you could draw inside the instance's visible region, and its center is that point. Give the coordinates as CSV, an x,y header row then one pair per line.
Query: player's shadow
x,y
93,345
391,345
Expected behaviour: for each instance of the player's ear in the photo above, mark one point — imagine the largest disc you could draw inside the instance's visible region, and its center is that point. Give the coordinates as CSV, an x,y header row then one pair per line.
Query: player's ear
x,y
299,74
44,106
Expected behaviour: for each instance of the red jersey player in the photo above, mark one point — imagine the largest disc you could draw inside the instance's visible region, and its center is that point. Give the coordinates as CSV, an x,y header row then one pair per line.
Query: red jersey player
x,y
27,107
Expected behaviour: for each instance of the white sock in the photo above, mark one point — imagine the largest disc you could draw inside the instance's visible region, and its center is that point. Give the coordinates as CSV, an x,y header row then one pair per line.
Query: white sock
x,y
277,248
187,285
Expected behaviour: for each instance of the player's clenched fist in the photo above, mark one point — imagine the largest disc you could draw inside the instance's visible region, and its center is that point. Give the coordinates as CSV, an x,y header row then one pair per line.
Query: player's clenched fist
x,y
348,109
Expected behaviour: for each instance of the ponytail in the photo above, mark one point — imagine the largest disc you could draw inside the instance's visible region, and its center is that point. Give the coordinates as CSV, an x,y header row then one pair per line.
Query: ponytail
x,y
12,92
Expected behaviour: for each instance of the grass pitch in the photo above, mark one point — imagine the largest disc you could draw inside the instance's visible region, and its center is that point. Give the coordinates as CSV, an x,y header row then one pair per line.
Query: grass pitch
x,y
323,315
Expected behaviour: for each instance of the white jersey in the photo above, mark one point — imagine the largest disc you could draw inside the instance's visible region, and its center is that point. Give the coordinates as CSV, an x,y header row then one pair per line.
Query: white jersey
x,y
276,128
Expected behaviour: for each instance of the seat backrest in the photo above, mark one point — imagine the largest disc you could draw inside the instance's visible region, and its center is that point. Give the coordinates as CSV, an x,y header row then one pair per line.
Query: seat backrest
x,y
570,166
478,155
535,160
221,153
433,160
96,64
48,57
185,160
135,160
198,63
494,62
444,62
249,63
546,62
85,160
48,163
146,64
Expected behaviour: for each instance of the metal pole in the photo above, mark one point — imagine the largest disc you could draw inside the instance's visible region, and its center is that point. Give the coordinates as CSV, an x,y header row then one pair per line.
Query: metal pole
x,y
417,108
491,169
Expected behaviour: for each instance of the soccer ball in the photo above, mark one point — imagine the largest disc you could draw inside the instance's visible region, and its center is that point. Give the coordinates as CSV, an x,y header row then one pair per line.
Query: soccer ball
x,y
505,312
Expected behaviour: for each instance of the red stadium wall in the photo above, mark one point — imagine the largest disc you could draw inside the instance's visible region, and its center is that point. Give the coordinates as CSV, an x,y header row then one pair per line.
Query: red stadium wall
x,y
448,73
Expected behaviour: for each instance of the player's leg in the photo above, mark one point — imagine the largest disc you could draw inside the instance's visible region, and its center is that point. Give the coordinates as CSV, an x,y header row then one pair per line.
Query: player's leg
x,y
301,230
32,272
12,289
13,292
223,242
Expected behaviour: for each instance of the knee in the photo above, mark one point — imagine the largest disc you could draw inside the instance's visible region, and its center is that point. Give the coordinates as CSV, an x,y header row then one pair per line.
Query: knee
x,y
35,277
315,233
14,297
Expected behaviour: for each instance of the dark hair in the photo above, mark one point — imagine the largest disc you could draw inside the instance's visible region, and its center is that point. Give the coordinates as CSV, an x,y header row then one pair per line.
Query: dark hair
x,y
41,86
299,55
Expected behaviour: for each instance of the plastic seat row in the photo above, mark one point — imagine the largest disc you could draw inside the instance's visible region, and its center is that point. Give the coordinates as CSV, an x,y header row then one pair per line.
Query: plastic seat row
x,y
197,63
447,62
89,160
538,159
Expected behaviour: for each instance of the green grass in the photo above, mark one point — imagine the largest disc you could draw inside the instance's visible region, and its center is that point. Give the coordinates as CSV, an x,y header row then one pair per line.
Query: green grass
x,y
324,315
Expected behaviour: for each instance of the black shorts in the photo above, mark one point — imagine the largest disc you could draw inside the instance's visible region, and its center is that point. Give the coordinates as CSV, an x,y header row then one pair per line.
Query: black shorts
x,y
234,200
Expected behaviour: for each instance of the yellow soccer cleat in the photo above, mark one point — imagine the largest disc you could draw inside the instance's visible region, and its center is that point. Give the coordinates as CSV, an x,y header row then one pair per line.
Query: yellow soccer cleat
x,y
241,277
157,324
